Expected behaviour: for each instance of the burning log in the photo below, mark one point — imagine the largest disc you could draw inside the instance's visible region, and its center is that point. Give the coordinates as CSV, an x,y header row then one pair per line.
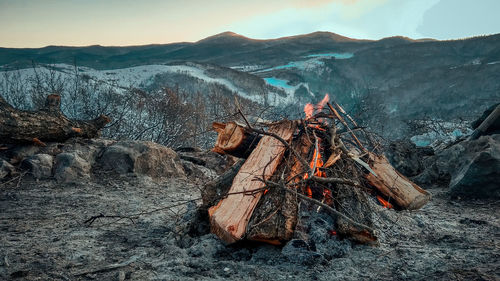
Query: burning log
x,y
395,186
229,218
47,124
235,139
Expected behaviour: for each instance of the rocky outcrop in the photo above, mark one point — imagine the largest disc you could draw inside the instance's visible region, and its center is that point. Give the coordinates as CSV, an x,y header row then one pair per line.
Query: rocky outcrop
x,y
471,169
478,175
83,159
142,158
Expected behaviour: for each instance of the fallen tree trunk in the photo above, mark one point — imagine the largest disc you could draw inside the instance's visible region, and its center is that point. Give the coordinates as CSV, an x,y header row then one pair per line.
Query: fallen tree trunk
x,y
235,139
395,186
492,118
229,218
47,124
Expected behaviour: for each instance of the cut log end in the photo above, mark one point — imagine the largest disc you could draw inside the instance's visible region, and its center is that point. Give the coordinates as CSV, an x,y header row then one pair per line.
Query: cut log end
x,y
234,139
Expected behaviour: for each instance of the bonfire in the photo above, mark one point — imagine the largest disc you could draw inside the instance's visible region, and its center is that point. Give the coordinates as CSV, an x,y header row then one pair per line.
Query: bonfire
x,y
325,162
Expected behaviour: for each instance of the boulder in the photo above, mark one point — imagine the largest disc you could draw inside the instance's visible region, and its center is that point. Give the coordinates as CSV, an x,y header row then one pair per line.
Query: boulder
x,y
142,158
6,169
18,153
471,168
440,167
407,158
478,176
39,165
69,167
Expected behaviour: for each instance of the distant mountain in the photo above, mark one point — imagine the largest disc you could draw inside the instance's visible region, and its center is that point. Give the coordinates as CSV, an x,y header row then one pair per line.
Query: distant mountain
x,y
384,82
226,48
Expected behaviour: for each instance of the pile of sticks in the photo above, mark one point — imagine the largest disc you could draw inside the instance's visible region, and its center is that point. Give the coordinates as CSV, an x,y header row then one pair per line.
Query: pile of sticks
x,y
325,160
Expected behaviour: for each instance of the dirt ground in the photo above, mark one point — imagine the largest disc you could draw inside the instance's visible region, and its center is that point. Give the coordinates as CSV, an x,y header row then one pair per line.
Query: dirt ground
x,y
43,236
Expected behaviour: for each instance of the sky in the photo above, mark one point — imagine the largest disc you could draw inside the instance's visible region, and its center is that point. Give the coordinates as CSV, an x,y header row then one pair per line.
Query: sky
x,y
38,23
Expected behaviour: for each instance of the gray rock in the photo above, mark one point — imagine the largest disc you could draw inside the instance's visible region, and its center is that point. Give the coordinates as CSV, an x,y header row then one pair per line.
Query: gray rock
x,y
39,165
407,158
471,169
17,154
198,172
142,158
6,169
479,175
70,167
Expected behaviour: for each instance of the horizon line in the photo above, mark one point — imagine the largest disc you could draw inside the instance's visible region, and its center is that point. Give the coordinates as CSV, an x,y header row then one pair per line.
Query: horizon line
x,y
230,33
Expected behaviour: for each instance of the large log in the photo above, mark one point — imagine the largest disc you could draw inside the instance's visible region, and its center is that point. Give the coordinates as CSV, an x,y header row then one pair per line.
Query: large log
x,y
490,121
234,139
47,124
395,186
229,218
275,217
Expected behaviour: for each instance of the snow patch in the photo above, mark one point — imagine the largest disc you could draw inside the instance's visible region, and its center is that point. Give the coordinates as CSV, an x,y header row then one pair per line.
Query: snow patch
x,y
442,132
124,78
285,86
339,56
306,65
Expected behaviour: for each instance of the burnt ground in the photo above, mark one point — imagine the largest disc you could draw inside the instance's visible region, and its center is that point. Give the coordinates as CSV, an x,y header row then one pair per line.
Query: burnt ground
x,y
43,237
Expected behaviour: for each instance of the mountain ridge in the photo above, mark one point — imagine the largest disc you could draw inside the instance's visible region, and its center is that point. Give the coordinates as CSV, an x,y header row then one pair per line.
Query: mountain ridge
x,y
226,48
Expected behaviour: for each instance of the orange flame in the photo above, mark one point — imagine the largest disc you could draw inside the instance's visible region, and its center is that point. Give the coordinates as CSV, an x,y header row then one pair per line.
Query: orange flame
x,y
317,160
384,202
309,108
319,163
322,103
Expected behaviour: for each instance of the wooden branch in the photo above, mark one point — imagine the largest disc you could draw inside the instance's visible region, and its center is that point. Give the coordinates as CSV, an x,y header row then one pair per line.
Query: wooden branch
x,y
47,124
334,212
346,126
334,180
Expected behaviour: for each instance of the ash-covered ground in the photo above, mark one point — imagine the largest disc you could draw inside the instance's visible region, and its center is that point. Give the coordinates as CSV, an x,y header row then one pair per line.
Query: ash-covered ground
x,y
43,236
